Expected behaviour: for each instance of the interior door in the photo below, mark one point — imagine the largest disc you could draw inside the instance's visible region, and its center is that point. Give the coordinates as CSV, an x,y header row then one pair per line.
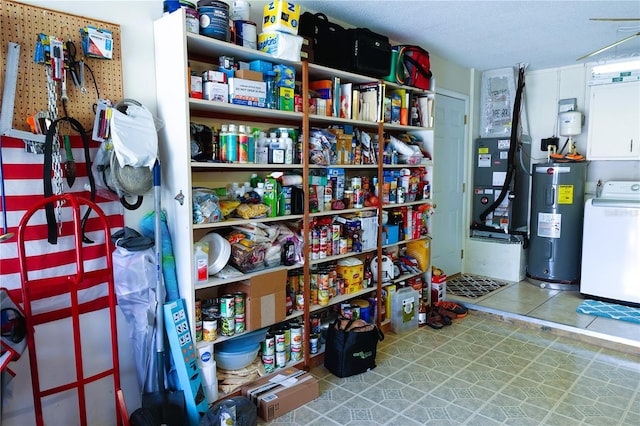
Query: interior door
x,y
447,222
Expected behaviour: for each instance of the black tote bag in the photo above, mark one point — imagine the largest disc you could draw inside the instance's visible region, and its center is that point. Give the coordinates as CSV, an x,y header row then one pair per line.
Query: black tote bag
x,y
351,347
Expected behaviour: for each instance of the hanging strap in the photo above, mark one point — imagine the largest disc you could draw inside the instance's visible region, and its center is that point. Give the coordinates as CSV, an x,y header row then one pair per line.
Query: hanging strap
x,y
48,167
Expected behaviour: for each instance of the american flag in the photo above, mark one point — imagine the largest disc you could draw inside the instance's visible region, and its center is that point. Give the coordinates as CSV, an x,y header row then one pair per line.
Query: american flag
x,y
23,185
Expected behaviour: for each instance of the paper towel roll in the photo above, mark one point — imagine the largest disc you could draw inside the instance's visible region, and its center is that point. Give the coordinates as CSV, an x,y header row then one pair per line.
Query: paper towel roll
x,y
205,354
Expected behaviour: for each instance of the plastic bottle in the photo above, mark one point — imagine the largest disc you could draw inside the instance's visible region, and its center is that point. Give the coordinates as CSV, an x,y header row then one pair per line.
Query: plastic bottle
x,y
223,142
289,253
254,180
252,145
232,144
243,145
287,142
270,197
201,261
260,190
272,94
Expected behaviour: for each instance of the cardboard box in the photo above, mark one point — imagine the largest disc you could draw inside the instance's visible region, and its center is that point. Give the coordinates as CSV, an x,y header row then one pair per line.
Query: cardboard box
x,y
279,393
438,288
249,75
213,91
247,92
266,298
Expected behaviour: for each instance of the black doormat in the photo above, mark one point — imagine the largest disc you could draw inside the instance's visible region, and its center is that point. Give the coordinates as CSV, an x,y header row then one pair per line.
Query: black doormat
x,y
473,286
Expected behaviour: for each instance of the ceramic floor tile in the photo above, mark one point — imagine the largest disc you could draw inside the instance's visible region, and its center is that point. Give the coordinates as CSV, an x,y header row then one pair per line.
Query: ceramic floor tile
x,y
491,368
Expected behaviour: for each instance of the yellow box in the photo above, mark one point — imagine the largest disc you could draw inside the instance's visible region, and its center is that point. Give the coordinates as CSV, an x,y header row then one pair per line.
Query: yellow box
x,y
281,16
352,270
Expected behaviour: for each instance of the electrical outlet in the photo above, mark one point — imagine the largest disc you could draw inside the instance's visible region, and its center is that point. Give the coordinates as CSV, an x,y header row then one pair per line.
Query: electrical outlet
x,y
545,143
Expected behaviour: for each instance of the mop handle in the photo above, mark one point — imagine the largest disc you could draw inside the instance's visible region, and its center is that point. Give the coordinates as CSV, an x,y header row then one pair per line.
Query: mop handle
x,y
158,243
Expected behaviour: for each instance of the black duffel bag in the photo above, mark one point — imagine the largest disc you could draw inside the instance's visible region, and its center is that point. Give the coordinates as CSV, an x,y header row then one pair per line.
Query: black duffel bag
x,y
351,347
370,52
329,41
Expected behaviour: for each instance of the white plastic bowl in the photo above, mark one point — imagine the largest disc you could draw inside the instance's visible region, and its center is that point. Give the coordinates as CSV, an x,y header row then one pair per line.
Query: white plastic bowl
x,y
236,360
219,251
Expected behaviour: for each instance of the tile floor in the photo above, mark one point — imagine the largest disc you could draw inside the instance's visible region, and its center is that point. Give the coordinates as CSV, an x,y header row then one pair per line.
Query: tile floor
x,y
522,357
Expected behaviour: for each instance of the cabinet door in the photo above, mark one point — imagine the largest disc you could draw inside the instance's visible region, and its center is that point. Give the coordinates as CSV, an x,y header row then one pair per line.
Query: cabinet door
x,y
614,129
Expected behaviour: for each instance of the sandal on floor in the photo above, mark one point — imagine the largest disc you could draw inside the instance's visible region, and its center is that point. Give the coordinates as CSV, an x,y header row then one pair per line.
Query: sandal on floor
x,y
434,320
459,310
446,316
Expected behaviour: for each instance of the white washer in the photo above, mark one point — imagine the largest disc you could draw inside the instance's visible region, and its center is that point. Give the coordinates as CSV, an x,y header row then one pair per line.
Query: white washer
x,y
611,244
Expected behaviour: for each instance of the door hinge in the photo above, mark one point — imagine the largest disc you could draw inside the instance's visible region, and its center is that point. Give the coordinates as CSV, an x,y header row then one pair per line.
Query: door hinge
x,y
463,187
462,254
465,119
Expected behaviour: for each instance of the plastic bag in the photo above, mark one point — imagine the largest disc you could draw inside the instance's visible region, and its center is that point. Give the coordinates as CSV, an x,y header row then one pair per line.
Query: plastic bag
x,y
134,136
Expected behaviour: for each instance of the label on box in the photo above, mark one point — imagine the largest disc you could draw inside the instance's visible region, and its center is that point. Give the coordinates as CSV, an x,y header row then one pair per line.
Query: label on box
x,y
247,92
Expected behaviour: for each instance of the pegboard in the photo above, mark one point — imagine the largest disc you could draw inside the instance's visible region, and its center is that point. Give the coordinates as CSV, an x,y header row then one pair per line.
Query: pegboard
x,y
21,23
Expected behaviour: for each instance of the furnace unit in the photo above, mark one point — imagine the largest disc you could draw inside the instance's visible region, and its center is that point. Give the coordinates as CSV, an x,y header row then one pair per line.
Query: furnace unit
x,y
491,167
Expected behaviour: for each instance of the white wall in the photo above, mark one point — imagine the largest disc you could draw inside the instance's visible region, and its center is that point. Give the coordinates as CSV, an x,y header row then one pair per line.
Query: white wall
x,y
135,19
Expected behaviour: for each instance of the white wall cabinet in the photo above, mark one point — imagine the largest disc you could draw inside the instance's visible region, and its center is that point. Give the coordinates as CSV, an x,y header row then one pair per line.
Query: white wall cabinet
x,y
614,123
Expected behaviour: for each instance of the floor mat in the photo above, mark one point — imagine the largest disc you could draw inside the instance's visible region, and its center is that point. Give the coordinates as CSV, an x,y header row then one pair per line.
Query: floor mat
x,y
473,286
609,310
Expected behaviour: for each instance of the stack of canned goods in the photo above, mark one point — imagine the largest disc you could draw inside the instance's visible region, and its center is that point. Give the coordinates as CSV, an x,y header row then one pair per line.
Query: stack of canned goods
x,y
269,353
239,302
227,315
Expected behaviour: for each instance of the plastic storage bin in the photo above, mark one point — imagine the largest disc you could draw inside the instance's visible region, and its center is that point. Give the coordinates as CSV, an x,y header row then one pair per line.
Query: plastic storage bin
x,y
404,310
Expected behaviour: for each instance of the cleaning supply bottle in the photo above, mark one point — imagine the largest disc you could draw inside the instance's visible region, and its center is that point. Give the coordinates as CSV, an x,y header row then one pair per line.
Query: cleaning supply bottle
x,y
287,142
243,145
232,144
201,261
270,197
223,141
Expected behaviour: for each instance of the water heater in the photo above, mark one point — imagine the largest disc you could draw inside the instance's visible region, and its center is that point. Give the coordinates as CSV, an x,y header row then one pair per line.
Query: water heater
x,y
557,206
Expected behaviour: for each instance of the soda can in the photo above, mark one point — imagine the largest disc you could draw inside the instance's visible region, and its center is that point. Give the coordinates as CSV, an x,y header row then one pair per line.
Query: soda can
x,y
314,343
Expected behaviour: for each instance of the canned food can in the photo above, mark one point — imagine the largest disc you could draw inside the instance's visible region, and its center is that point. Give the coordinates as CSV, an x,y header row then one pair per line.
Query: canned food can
x,y
296,352
198,309
209,330
280,344
227,307
314,296
239,302
239,324
323,297
269,362
300,302
315,324
296,336
228,326
198,331
269,345
281,359
314,343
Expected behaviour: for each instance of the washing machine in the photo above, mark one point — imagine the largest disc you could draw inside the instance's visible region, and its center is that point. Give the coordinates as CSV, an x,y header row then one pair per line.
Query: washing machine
x,y
611,244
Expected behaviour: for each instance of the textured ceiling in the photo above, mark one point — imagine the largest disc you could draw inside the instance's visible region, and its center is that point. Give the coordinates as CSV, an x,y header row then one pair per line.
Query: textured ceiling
x,y
495,34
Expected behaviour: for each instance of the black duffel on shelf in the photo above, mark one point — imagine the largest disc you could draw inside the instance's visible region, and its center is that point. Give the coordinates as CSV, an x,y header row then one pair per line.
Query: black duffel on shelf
x,y
330,41
370,52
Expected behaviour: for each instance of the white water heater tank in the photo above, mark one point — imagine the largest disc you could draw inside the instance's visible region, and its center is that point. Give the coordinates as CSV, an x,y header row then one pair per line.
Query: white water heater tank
x,y
570,123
